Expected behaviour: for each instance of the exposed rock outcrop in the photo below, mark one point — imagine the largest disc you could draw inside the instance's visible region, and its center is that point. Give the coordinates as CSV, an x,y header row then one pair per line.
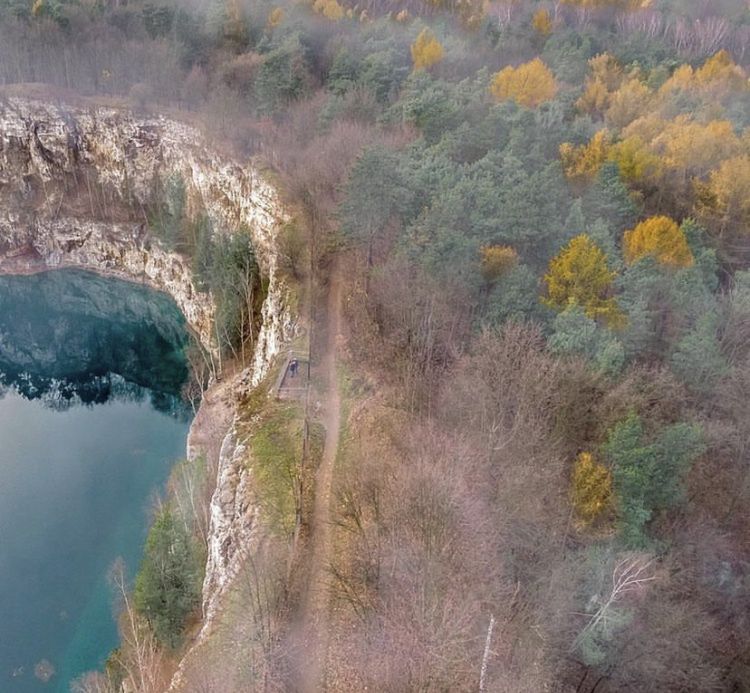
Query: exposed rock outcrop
x,y
233,518
74,179
73,184
111,249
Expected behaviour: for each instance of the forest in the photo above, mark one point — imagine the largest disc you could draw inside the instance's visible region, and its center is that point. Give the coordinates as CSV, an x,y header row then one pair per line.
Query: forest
x,y
540,211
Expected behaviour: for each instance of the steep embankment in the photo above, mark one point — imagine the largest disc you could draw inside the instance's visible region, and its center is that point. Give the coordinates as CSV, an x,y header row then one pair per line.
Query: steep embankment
x,y
74,181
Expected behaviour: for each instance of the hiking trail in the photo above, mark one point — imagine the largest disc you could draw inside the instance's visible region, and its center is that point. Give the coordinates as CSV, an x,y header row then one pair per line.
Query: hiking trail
x,y
315,611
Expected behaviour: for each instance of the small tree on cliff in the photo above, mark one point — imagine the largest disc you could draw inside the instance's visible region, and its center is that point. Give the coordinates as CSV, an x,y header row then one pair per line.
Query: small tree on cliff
x,y
167,589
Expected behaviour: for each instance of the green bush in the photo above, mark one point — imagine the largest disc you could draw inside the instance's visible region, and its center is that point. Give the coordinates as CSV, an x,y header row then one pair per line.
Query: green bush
x,y
648,475
168,585
283,76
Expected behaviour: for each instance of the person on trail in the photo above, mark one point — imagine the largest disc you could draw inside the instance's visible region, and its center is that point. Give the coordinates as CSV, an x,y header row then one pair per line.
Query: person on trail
x,y
293,367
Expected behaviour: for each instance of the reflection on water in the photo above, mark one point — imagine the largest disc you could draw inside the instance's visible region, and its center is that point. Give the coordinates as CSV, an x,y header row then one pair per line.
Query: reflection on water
x,y
72,337
90,424
62,394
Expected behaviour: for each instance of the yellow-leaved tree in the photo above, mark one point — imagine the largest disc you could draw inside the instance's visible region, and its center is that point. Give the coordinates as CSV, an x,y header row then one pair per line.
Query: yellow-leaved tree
x,y
235,22
637,163
630,101
720,70
529,84
690,149
581,164
275,17
718,77
580,276
659,237
497,260
330,9
591,488
605,76
542,22
729,188
426,50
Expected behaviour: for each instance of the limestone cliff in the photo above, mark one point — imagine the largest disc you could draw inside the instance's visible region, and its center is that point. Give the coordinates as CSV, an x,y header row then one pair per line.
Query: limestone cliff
x,y
72,179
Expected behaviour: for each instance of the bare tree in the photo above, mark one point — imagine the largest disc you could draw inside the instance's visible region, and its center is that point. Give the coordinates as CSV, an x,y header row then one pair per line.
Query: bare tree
x,y
139,656
630,574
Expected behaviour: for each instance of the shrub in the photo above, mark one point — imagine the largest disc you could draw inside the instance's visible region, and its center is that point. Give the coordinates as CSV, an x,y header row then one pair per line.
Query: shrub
x,y
168,585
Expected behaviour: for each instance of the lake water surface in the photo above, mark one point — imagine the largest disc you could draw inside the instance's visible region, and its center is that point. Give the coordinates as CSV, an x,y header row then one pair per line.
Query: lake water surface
x,y
90,425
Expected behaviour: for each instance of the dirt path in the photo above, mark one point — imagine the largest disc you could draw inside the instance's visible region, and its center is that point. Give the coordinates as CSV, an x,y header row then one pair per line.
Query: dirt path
x,y
315,606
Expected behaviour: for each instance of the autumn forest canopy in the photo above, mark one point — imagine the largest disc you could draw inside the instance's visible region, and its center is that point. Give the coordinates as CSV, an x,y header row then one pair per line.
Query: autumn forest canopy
x,y
542,209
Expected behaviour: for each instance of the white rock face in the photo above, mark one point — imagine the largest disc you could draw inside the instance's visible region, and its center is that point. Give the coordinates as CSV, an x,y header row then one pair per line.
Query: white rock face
x,y
70,178
233,519
112,249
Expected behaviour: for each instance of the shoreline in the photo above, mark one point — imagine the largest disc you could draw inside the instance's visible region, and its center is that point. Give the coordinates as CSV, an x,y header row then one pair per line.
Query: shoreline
x,y
40,266
212,421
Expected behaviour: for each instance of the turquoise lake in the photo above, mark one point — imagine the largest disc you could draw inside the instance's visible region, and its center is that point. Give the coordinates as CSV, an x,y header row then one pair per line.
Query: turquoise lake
x,y
90,424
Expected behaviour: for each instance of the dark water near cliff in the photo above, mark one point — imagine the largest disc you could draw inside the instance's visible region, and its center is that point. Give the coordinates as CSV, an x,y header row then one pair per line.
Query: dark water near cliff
x,y
90,424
